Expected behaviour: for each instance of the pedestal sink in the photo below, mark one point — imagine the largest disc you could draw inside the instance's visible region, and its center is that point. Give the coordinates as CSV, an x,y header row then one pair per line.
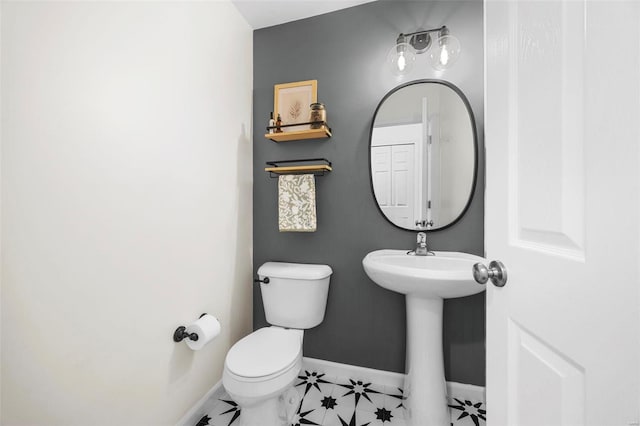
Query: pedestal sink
x,y
426,281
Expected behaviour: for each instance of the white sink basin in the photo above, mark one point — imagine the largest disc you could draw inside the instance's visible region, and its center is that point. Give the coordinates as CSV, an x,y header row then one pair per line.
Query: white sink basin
x,y
426,281
446,275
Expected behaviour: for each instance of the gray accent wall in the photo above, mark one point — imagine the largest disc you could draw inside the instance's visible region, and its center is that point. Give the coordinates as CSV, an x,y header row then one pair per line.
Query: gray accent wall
x,y
345,51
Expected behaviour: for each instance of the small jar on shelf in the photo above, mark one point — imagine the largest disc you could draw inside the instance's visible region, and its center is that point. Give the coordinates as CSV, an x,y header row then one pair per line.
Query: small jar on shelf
x,y
318,115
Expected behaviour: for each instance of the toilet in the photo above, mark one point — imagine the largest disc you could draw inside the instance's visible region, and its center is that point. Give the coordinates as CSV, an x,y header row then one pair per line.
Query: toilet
x,y
260,369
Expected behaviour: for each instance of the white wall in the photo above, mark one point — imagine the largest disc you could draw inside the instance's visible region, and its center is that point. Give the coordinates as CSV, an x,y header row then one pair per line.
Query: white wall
x,y
456,147
126,205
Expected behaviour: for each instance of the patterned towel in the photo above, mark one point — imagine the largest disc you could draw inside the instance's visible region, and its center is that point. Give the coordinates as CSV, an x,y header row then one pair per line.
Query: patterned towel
x,y
297,203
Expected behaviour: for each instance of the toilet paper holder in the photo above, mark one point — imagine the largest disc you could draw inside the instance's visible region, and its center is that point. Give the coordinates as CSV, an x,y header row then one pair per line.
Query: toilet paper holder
x,y
181,333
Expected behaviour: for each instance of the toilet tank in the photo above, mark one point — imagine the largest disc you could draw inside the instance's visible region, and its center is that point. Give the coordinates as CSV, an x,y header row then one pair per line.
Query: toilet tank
x,y
296,295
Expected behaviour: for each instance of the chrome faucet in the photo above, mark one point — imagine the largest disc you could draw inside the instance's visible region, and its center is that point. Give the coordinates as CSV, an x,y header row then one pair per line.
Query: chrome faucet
x,y
421,245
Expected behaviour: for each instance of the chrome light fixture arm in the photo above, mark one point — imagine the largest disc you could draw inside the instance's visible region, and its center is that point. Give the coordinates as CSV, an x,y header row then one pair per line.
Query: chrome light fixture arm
x,y
421,40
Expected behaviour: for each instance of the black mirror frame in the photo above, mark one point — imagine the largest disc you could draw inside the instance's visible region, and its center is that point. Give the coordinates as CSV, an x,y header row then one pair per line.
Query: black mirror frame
x,y
475,151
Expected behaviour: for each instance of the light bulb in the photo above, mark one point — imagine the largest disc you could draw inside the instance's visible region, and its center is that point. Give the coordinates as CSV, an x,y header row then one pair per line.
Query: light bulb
x,y
444,56
401,58
402,62
445,53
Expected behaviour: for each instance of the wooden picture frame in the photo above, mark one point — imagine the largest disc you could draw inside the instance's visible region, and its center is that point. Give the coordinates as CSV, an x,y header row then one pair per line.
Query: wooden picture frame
x,y
292,101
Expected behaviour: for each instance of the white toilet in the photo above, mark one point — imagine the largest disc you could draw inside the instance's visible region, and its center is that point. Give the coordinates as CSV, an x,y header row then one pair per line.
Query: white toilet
x,y
260,369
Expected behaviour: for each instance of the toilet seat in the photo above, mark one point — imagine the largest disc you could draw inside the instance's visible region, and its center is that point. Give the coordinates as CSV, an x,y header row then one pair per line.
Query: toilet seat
x,y
266,352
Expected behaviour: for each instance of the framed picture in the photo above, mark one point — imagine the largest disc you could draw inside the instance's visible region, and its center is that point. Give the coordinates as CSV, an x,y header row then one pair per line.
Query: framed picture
x,y
292,100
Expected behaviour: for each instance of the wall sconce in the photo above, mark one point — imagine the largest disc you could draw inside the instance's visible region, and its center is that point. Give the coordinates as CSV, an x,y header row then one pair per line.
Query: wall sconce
x,y
443,55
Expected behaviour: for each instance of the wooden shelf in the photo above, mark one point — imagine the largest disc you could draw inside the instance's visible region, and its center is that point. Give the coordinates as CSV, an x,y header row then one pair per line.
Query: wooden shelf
x,y
311,168
299,135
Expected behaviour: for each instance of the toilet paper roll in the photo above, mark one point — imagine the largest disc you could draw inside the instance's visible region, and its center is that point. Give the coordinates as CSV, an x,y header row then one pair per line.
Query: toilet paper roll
x,y
207,328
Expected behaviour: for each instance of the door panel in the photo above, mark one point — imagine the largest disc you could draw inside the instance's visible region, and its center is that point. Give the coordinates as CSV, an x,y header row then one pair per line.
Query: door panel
x,y
546,154
403,194
381,172
547,385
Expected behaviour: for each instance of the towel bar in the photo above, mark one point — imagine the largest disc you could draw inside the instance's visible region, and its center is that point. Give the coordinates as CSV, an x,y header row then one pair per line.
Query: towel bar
x,y
317,169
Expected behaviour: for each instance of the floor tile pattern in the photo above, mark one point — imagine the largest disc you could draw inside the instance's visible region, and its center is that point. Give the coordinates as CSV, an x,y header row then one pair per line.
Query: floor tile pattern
x,y
353,401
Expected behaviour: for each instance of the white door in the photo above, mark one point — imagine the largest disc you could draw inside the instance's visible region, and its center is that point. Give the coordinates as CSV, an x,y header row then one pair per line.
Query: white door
x,y
394,164
393,182
381,173
403,185
562,214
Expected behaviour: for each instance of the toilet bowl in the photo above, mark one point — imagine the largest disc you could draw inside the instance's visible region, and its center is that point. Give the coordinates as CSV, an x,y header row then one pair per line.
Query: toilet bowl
x,y
260,369
258,372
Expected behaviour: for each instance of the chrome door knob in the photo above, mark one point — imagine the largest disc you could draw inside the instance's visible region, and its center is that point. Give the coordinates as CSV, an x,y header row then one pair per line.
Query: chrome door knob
x,y
496,272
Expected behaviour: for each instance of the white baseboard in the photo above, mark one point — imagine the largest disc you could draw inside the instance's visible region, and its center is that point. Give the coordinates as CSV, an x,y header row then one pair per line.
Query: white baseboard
x,y
203,407
380,377
464,391
388,378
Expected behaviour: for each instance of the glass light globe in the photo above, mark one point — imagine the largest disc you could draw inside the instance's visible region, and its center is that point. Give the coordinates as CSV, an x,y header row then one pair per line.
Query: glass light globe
x,y
401,58
444,53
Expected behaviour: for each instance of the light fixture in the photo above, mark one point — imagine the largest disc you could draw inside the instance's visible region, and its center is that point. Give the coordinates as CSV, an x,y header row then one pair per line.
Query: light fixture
x,y
447,51
442,55
401,57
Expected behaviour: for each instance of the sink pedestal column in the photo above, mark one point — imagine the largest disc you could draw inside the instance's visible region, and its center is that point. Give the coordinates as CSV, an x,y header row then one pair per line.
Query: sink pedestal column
x,y
425,386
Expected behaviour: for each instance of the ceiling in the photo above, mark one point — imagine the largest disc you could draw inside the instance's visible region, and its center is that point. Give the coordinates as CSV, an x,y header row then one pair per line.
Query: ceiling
x,y
267,13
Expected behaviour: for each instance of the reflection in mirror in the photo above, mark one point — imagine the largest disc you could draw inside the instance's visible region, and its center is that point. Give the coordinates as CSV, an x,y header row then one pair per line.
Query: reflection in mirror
x,y
423,155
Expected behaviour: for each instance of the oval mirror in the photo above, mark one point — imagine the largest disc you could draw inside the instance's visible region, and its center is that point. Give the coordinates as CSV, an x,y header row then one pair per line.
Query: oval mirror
x,y
423,155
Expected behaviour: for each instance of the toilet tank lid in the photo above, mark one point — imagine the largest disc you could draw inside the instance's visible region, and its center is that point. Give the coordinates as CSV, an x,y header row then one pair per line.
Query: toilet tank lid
x,y
296,271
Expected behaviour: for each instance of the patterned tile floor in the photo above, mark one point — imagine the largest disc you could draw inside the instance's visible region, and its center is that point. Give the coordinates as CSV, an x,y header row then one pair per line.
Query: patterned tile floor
x,y
336,401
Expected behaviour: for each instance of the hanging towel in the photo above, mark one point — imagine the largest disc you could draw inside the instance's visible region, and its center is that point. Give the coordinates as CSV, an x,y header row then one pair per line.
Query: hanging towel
x,y
297,203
